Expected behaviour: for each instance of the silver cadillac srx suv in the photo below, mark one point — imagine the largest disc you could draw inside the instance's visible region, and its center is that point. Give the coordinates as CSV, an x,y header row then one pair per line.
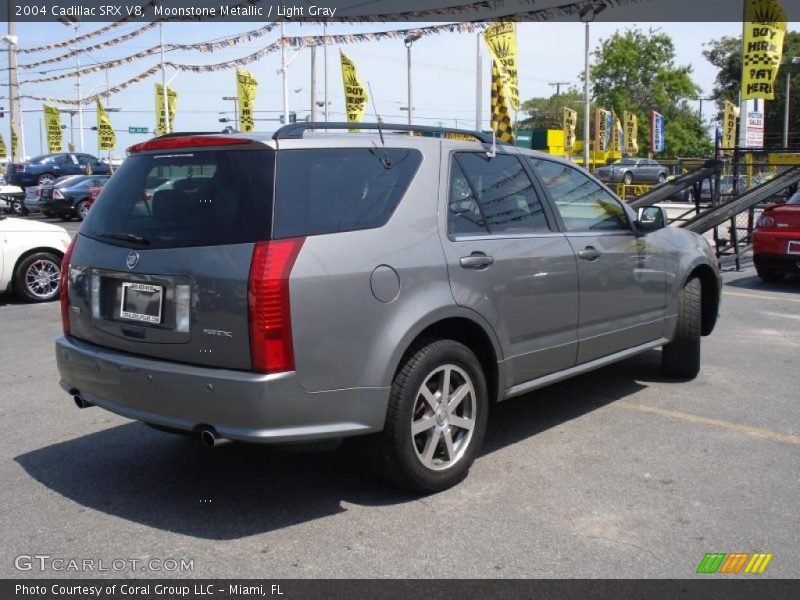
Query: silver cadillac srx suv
x,y
319,285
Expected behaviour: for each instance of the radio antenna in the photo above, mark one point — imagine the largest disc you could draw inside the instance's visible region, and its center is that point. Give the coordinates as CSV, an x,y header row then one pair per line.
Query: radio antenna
x,y
377,117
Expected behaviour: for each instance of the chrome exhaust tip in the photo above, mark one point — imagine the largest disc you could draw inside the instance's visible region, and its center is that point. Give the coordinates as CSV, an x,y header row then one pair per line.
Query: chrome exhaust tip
x,y
80,402
211,439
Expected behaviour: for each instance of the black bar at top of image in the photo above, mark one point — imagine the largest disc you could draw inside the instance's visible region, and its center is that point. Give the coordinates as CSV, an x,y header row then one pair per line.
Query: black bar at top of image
x,y
408,11
707,588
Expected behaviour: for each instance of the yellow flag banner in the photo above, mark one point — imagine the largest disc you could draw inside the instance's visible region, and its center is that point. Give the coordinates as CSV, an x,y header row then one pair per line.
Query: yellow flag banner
x,y
500,110
764,30
729,117
631,133
14,140
52,124
172,103
106,138
354,93
601,129
570,123
3,149
502,41
246,86
617,137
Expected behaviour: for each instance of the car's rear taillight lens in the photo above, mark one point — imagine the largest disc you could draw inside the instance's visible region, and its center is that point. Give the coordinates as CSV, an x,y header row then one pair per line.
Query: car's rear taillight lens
x,y
37,192
65,287
269,307
765,221
20,168
57,194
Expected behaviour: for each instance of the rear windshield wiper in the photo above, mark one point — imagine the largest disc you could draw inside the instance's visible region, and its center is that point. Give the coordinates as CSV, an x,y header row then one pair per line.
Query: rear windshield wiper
x,y
127,237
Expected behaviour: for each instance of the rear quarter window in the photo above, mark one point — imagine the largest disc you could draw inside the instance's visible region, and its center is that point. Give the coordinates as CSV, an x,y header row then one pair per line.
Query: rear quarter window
x,y
323,190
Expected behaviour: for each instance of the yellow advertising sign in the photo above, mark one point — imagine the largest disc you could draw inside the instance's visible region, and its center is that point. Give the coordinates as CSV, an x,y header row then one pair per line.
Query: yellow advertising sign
x,y
764,30
500,121
601,129
729,118
617,136
106,138
570,123
52,124
172,103
14,140
3,150
354,93
502,41
631,133
246,86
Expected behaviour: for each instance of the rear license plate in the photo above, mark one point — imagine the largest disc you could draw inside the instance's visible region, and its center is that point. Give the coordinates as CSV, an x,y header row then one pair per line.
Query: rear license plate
x,y
794,247
141,302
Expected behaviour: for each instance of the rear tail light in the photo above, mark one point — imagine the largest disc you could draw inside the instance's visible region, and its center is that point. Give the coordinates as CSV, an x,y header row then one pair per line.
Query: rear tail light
x,y
765,221
37,192
20,168
57,194
269,307
65,287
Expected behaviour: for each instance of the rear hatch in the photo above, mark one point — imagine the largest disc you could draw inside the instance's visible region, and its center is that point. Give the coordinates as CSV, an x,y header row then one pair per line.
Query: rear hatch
x,y
161,264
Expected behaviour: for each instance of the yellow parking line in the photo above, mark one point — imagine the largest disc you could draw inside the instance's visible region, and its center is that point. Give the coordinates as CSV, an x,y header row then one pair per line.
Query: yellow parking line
x,y
760,297
787,438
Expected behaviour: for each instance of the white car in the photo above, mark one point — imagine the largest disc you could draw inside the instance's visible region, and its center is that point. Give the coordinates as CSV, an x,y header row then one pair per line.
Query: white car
x,y
30,258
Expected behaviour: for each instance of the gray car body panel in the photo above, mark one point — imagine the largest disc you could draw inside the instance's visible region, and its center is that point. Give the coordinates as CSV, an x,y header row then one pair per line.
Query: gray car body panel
x,y
360,299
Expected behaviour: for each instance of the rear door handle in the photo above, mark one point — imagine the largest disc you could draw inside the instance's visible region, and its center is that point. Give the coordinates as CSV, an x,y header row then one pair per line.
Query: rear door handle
x,y
589,253
477,260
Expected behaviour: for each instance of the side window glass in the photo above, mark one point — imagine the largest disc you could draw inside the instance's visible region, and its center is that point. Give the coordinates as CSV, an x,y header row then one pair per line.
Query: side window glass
x,y
64,159
583,204
503,192
463,213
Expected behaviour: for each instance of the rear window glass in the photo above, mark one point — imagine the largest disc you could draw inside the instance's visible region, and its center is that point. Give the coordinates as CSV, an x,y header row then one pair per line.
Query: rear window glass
x,y
344,189
199,198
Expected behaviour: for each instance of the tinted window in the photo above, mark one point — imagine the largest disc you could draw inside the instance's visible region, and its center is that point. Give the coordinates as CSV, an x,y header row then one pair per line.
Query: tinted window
x,y
339,189
583,204
199,198
501,190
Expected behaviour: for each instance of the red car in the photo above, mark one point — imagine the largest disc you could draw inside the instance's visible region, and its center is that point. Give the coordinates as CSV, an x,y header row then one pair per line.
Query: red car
x,y
94,192
776,240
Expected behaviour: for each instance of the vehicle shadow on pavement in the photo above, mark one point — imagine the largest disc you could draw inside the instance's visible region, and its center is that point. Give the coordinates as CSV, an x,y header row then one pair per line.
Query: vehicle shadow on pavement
x,y
791,284
172,483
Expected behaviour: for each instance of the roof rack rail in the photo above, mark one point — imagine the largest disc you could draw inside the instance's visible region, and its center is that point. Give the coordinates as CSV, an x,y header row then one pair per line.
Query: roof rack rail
x,y
184,133
295,131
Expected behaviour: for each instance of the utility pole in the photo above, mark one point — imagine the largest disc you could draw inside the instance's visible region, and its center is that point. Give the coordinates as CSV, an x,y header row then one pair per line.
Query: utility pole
x,y
557,85
284,69
80,99
164,94
325,78
409,41
479,82
313,84
14,112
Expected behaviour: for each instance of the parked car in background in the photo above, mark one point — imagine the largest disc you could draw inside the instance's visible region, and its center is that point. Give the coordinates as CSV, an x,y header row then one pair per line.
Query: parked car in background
x,y
94,192
45,169
221,290
776,240
69,196
30,258
633,170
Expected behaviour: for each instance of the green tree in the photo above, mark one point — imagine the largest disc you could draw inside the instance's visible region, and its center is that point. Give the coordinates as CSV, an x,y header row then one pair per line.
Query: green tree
x,y
726,54
548,113
636,71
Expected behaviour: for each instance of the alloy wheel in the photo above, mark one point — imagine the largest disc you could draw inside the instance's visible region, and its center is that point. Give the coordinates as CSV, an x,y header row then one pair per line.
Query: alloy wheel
x,y
42,279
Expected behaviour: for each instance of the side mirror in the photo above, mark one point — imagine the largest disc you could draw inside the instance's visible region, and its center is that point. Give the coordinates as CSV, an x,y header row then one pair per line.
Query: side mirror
x,y
651,218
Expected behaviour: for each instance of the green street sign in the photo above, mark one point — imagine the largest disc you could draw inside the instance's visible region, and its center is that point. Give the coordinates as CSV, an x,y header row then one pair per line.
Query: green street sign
x,y
138,130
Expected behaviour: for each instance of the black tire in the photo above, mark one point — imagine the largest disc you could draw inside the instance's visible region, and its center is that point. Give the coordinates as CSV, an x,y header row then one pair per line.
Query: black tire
x,y
49,214
400,456
681,357
46,178
627,178
768,275
82,209
18,208
38,277
65,217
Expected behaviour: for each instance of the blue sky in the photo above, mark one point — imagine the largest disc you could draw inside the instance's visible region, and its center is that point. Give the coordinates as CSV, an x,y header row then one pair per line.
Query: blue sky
x,y
443,72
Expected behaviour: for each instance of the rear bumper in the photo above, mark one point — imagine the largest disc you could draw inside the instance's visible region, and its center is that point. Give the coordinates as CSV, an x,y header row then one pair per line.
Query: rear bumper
x,y
787,263
242,406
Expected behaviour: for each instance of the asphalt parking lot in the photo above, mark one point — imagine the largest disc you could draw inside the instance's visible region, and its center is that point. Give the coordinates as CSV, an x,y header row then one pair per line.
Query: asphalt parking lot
x,y
617,473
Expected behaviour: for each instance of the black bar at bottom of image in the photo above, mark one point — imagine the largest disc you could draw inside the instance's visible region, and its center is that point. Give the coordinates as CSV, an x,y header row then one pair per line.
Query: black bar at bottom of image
x,y
728,588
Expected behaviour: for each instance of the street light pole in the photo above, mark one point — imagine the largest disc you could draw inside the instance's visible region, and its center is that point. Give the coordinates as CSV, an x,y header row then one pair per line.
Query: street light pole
x,y
284,69
409,41
164,95
479,82
587,15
